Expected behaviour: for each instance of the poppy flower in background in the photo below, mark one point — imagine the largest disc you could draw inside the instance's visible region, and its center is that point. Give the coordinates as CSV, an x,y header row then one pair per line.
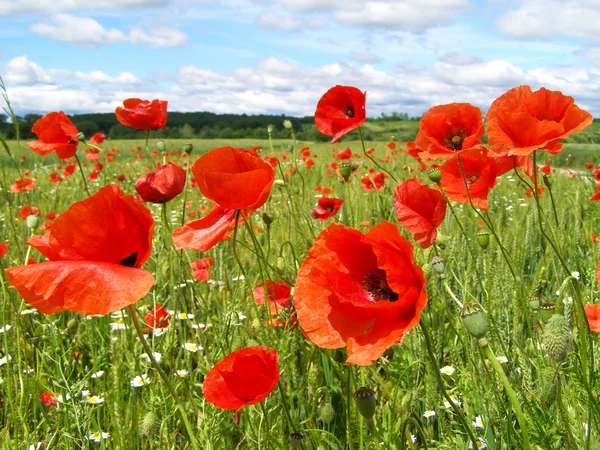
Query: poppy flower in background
x,y
340,110
279,296
55,132
344,154
48,399
69,170
480,173
142,115
592,311
373,182
97,138
3,249
28,211
95,250
420,209
201,268
521,121
162,185
362,291
22,185
243,378
447,130
596,195
233,178
326,208
157,318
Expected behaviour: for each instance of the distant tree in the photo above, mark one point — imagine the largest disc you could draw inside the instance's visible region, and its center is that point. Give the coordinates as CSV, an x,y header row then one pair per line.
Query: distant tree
x,y
187,132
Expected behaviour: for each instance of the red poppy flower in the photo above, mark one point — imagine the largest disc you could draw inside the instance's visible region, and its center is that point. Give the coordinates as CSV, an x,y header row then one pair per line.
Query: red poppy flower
x,y
340,110
326,208
589,165
69,170
142,114
162,185
521,121
201,268
245,377
546,169
480,172
97,138
592,312
279,296
55,133
309,163
447,130
596,195
157,318
3,249
373,182
22,185
95,249
344,154
420,210
28,211
48,399
363,291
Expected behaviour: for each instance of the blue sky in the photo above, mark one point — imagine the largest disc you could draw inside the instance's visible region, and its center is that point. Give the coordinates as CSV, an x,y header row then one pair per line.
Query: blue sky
x,y
263,56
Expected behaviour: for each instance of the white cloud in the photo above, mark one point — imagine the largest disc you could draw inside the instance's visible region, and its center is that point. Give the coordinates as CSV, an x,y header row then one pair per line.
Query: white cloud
x,y
21,71
286,22
366,57
55,6
86,31
545,19
490,73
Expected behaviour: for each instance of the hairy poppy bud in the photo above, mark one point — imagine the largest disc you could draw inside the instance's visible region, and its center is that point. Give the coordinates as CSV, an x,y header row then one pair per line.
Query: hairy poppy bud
x,y
288,125
326,413
435,174
32,222
345,171
473,320
296,440
187,147
483,238
365,402
557,338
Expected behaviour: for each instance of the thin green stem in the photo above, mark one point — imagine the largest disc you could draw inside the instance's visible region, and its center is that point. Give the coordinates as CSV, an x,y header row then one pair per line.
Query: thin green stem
x,y
82,175
362,141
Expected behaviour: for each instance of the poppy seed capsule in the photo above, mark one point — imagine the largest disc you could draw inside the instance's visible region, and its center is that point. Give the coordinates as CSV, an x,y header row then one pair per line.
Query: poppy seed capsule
x,y
547,311
483,238
187,147
288,125
345,171
296,440
33,222
365,402
534,302
270,129
438,264
473,320
434,174
161,146
80,136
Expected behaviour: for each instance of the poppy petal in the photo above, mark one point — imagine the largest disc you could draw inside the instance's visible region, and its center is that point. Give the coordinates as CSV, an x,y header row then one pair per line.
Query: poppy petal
x,y
203,234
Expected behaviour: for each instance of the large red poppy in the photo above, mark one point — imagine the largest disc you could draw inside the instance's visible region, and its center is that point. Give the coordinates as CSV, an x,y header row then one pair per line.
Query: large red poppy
x,y
480,172
326,208
521,121
161,185
363,291
142,114
245,377
55,133
447,130
95,251
340,110
420,210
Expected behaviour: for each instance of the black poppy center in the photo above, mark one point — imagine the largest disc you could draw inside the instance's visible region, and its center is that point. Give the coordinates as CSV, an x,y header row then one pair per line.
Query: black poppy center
x,y
349,111
129,261
376,283
329,208
454,141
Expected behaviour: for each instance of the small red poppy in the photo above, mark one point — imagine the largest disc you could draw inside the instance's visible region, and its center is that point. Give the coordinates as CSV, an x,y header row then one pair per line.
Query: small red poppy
x,y
340,110
592,311
596,195
142,114
243,378
157,318
326,208
95,250
48,399
55,133
521,121
279,296
22,185
201,268
161,185
360,291
3,249
344,154
447,130
419,209
97,138
373,182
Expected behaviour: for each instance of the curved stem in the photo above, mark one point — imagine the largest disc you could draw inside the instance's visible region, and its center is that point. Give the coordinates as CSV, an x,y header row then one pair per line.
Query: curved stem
x,y
362,141
82,175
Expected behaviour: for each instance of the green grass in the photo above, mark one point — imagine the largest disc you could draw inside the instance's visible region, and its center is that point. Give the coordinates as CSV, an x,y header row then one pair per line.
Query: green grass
x,y
59,353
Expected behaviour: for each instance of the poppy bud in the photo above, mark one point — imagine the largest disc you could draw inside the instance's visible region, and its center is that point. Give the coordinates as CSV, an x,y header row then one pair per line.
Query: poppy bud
x,y
434,174
547,311
557,338
326,413
547,181
288,125
365,402
32,222
160,146
187,147
345,171
473,320
267,219
270,129
80,136
534,302
72,325
483,238
438,264
427,268
296,440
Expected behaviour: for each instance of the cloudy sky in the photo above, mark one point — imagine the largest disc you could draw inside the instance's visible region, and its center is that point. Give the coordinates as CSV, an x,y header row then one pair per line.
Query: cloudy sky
x,y
265,56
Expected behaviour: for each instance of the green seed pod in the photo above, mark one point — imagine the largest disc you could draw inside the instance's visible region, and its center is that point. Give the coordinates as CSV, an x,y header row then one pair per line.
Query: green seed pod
x,y
483,238
546,311
365,402
33,222
161,146
288,125
80,136
557,338
438,264
435,174
270,129
326,413
296,440
187,147
345,171
473,320
534,302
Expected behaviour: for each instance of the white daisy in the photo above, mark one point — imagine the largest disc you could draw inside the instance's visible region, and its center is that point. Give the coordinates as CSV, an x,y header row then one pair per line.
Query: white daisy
x,y
139,381
98,436
428,414
478,422
181,373
94,400
447,370
97,374
502,359
191,347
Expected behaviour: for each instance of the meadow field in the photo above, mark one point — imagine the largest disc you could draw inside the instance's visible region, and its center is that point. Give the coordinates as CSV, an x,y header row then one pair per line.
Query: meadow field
x,y
520,267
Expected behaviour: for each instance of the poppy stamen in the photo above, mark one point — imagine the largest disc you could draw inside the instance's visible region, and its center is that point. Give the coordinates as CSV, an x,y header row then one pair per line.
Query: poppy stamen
x,y
376,283
129,261
455,139
349,111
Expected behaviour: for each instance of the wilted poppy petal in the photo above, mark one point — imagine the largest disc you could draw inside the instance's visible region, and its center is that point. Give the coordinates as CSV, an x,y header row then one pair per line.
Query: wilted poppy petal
x,y
203,234
79,286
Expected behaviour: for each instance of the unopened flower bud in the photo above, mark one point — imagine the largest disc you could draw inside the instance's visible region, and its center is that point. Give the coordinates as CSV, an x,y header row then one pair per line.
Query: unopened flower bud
x,y
33,222
267,219
296,440
365,402
483,238
288,125
547,181
270,129
473,320
326,413
345,171
160,146
438,264
557,338
435,174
